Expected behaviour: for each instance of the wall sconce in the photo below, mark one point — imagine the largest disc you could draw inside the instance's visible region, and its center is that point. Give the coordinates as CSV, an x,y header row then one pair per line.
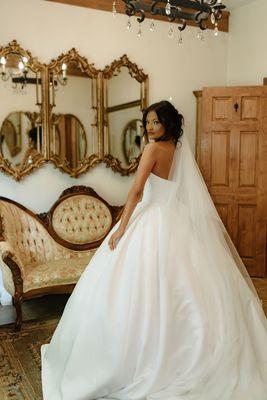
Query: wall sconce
x,y
62,79
21,73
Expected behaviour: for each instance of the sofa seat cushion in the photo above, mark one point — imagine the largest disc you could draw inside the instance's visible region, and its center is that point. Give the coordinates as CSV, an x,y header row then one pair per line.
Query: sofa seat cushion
x,y
59,272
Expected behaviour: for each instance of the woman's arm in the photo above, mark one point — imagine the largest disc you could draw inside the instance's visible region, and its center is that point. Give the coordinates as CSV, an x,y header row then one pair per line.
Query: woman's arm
x,y
146,165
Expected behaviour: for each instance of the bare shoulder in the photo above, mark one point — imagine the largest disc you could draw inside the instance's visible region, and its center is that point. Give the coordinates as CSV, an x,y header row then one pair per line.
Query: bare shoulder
x,y
150,150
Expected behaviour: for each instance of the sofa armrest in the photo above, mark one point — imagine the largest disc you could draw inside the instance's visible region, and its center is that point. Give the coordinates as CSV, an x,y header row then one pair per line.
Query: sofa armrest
x,y
12,269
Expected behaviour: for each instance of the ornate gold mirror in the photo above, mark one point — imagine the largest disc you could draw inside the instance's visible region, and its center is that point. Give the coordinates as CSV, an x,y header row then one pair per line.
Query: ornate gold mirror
x,y
126,95
74,127
22,143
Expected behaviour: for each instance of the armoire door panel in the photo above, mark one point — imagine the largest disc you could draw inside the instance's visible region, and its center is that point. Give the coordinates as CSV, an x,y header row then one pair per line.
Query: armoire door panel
x,y
221,108
233,160
246,236
220,159
250,108
248,159
223,211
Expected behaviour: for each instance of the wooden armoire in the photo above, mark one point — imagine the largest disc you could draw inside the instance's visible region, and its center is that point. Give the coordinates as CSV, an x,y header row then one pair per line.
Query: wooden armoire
x,y
231,150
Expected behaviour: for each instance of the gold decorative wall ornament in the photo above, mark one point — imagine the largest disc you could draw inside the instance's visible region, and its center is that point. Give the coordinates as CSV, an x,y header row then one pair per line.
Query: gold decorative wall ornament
x,y
96,105
13,54
65,72
124,100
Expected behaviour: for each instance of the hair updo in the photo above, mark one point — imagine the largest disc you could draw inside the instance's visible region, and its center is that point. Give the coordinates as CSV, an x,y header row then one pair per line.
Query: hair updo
x,y
169,117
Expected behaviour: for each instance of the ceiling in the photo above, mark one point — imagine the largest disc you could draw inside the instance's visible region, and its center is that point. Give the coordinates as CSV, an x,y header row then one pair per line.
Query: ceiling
x,y
233,4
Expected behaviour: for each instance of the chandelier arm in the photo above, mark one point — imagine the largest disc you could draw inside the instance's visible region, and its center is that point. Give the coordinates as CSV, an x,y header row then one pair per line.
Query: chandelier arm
x,y
153,9
203,10
201,26
212,2
137,5
194,5
218,14
142,16
200,16
129,9
181,28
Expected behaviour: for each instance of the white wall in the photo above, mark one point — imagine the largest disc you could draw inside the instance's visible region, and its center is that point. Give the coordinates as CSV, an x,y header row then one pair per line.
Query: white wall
x,y
247,55
48,29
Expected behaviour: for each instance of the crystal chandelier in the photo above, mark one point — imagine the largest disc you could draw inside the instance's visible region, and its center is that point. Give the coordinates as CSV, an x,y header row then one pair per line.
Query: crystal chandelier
x,y
200,12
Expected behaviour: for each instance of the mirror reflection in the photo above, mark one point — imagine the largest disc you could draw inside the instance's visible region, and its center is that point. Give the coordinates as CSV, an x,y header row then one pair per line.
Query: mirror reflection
x,y
20,137
70,139
123,116
132,139
20,119
73,135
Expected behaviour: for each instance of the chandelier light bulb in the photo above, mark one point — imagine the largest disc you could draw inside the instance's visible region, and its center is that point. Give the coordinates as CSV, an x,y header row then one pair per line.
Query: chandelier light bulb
x,y
24,60
216,30
3,61
64,67
168,8
21,66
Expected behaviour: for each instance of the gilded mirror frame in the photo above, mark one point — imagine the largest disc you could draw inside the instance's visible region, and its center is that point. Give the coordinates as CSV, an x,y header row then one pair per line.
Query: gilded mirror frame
x,y
135,72
38,159
55,67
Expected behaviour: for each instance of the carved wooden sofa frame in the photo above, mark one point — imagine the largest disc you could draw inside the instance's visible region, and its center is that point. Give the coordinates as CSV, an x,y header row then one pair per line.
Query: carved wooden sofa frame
x,y
74,234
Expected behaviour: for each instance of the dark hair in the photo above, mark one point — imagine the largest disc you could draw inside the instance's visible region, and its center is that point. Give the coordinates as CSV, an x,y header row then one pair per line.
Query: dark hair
x,y
169,117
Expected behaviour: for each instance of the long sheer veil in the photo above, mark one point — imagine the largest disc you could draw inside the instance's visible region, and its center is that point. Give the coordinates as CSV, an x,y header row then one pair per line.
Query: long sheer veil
x,y
204,219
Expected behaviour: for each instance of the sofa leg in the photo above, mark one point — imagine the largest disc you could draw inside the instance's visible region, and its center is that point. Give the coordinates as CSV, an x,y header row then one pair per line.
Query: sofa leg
x,y
17,301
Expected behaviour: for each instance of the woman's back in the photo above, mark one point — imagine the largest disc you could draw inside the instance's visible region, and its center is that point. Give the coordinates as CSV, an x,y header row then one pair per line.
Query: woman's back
x,y
165,153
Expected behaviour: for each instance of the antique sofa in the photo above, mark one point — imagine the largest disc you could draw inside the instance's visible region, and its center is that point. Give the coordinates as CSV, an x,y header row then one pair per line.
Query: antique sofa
x,y
46,253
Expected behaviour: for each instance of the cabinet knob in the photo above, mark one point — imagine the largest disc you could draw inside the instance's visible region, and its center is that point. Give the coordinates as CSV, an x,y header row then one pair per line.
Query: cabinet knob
x,y
236,107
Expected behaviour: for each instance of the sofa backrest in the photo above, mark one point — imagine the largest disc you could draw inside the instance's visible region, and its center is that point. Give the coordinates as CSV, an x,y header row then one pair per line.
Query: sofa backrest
x,y
77,223
81,219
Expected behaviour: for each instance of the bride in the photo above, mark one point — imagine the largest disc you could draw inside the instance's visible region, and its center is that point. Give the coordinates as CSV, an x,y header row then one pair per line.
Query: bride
x,y
165,309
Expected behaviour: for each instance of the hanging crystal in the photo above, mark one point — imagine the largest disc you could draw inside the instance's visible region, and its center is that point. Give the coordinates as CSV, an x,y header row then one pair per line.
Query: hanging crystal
x,y
171,32
200,35
180,40
152,26
139,33
168,8
114,11
216,29
129,24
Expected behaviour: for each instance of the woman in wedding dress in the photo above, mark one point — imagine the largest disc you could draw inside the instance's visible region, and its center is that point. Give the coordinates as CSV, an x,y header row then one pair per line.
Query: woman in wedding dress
x,y
165,309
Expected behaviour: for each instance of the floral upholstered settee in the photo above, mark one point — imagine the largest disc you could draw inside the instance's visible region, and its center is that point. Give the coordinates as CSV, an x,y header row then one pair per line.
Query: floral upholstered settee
x,y
47,253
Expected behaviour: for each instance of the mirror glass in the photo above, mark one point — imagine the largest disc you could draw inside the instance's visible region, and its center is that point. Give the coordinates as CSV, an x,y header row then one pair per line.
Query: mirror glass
x,y
123,116
20,118
70,138
132,138
73,135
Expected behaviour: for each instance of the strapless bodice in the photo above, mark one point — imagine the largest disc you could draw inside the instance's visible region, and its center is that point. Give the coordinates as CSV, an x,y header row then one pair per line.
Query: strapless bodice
x,y
158,190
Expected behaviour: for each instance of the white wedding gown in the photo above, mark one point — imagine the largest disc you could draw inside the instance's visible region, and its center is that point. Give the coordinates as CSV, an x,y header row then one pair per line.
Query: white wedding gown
x,y
158,318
